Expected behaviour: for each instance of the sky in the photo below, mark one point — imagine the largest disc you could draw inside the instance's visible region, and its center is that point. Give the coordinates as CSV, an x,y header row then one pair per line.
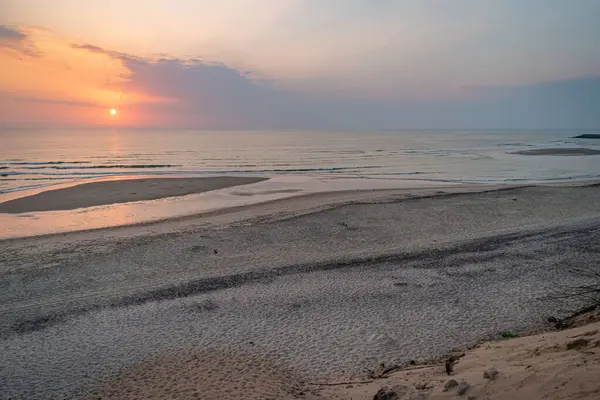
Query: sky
x,y
300,64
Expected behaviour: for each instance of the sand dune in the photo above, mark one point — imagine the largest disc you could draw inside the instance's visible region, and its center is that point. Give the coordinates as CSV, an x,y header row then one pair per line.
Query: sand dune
x,y
562,365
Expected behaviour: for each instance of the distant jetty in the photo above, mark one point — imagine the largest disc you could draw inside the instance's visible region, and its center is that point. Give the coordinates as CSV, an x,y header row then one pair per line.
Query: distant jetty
x,y
588,136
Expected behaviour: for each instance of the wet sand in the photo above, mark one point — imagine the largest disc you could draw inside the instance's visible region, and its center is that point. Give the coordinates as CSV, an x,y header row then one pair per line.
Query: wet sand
x,y
119,191
283,296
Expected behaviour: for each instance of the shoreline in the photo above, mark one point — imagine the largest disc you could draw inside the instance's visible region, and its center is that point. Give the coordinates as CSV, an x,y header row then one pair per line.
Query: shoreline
x,y
283,193
292,206
322,289
208,202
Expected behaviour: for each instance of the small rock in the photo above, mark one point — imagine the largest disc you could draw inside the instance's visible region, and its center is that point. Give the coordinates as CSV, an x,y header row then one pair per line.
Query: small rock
x,y
552,320
450,384
382,394
577,344
422,385
400,390
395,393
462,388
490,374
215,251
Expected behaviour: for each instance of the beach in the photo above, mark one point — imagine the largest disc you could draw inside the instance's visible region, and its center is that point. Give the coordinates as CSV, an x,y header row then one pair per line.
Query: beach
x,y
259,300
299,200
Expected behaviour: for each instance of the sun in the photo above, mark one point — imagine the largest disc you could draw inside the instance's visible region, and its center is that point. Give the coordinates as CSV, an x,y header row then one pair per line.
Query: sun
x,y
113,111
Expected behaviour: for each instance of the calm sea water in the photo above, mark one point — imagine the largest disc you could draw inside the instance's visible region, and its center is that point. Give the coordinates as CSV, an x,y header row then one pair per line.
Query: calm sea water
x,y
30,159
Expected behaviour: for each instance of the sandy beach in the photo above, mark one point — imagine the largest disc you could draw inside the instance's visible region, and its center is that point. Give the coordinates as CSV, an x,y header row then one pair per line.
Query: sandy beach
x,y
257,302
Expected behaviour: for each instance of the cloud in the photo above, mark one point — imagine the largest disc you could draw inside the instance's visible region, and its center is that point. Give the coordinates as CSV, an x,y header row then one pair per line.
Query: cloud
x,y
564,103
34,99
8,33
16,40
163,91
90,48
99,50
219,96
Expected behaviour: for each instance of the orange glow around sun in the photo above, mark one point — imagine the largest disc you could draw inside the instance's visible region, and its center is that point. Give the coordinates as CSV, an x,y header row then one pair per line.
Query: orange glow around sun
x,y
48,80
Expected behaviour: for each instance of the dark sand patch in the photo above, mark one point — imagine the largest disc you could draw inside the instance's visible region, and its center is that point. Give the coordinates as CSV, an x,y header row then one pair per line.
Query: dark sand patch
x,y
573,151
122,191
208,374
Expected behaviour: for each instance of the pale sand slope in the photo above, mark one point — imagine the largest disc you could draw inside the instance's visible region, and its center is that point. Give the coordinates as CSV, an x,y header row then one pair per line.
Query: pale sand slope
x,y
553,365
119,191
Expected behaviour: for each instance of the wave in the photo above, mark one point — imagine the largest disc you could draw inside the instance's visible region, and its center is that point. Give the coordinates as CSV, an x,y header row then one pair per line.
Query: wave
x,y
586,177
282,170
20,188
120,166
14,162
46,178
401,173
222,171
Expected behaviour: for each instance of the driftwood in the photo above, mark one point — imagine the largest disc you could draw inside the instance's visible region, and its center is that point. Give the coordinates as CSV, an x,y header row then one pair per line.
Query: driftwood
x,y
450,363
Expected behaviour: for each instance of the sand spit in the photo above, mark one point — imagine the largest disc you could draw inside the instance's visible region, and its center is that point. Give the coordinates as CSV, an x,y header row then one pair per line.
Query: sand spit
x,y
560,365
574,151
119,191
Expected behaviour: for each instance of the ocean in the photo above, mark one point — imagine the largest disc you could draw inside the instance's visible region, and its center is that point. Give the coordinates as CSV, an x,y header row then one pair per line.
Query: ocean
x,y
41,158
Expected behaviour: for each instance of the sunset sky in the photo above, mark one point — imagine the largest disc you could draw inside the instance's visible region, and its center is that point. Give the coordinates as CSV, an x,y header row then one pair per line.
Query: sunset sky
x,y
301,64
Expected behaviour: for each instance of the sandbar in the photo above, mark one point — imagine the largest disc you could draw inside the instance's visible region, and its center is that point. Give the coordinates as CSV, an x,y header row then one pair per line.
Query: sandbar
x,y
120,191
572,151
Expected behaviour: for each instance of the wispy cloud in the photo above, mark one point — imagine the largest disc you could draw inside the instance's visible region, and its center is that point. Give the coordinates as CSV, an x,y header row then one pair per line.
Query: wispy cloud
x,y
35,99
13,38
8,33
